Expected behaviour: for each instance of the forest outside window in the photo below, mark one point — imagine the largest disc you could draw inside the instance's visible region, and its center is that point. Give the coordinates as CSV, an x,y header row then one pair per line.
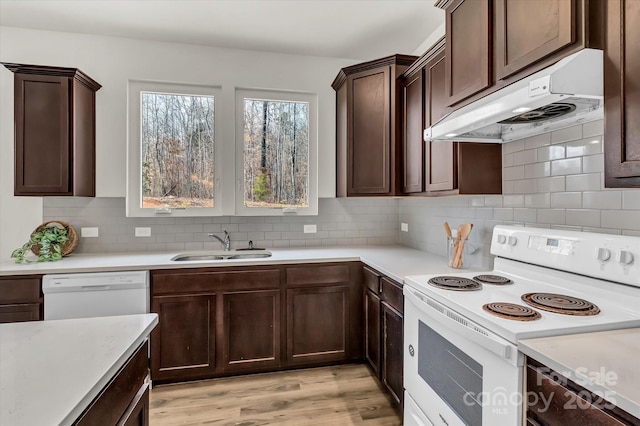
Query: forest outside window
x,y
276,153
172,150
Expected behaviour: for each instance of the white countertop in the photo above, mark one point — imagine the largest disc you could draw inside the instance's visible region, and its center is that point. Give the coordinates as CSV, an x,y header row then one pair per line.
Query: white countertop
x,y
396,262
50,371
605,362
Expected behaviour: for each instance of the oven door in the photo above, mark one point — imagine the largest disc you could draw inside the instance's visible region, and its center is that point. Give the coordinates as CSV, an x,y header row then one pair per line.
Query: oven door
x,y
457,372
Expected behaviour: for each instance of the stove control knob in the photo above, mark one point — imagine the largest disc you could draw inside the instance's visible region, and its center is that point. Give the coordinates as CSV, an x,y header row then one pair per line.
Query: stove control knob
x,y
625,257
512,241
604,254
502,239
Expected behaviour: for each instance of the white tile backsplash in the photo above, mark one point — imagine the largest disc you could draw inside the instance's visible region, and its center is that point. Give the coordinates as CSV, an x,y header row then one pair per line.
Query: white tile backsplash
x,y
559,187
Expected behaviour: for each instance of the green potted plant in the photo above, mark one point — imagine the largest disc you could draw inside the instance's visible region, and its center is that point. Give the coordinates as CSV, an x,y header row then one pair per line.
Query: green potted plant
x,y
48,242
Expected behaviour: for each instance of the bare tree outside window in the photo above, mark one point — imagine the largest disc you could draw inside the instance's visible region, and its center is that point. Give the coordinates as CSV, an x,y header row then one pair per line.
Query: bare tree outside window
x,y
276,153
177,150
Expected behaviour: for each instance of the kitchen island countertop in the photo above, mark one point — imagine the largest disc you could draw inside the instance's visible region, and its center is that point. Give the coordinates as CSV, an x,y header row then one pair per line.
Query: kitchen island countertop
x,y
50,371
605,363
396,262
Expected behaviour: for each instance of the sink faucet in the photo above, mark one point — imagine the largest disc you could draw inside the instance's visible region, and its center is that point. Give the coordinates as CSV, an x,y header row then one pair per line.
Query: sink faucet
x,y
226,242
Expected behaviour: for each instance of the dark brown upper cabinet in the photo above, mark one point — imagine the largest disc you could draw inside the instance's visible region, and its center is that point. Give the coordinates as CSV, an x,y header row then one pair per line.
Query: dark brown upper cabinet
x,y
54,131
493,43
622,94
468,48
441,168
368,126
521,40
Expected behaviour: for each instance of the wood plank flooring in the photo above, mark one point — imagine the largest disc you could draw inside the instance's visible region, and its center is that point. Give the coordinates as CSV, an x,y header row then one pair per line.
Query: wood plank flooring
x,y
338,395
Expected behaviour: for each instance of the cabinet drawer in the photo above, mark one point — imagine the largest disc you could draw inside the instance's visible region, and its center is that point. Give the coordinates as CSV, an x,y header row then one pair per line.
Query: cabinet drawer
x,y
20,312
392,294
19,290
566,406
371,279
324,274
182,281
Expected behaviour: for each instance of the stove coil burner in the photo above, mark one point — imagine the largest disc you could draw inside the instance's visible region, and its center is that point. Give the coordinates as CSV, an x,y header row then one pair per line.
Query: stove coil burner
x,y
493,279
560,304
512,311
455,283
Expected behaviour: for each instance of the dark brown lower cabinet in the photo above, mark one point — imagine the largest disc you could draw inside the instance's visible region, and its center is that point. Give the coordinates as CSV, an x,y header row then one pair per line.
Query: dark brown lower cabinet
x,y
553,400
372,330
317,324
21,299
222,321
392,356
183,343
251,330
383,325
125,399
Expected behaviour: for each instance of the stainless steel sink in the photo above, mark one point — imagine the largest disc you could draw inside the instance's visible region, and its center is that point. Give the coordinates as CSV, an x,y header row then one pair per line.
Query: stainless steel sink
x,y
221,255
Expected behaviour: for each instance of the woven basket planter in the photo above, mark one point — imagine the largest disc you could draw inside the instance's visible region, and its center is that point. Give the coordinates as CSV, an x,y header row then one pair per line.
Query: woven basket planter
x,y
69,246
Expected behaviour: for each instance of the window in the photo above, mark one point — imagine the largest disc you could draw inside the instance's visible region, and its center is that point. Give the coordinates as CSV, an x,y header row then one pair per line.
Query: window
x,y
172,150
276,153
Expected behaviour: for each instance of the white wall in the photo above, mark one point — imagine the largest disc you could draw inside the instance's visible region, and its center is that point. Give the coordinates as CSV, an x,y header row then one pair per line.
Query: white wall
x,y
112,62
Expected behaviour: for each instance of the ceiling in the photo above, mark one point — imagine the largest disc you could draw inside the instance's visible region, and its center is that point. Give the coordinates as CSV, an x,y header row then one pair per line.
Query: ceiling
x,y
353,29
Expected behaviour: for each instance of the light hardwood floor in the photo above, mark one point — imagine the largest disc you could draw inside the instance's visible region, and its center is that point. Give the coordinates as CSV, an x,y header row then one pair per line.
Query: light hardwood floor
x,y
339,395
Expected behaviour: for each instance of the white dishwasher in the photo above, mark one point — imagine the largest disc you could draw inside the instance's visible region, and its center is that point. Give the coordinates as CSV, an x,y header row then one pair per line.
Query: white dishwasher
x,y
96,294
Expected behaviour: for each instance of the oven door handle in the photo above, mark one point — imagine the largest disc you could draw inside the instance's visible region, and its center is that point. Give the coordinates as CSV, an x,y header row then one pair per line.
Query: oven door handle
x,y
462,326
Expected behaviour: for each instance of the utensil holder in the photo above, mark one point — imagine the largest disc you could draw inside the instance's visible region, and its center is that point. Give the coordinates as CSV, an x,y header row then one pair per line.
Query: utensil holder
x,y
469,248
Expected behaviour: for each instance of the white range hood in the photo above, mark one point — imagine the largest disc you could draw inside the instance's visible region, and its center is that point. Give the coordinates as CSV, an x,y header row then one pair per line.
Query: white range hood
x,y
564,94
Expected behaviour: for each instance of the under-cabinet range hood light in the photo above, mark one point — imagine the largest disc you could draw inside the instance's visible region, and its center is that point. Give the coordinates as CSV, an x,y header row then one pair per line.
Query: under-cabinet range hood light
x,y
564,94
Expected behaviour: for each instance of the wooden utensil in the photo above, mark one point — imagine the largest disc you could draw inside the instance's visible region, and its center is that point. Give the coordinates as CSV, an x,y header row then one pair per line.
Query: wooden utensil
x,y
447,229
463,232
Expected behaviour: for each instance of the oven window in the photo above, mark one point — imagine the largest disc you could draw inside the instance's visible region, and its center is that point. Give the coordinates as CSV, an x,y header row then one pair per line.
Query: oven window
x,y
451,373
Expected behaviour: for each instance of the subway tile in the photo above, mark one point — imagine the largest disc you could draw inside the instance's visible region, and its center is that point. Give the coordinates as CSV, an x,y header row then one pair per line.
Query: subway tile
x,y
566,200
525,215
551,184
493,201
502,213
620,219
584,182
583,217
507,160
525,157
603,230
537,141
525,186
593,163
513,146
484,213
513,200
568,166
602,199
593,128
513,173
540,201
551,216
537,170
631,200
508,187
568,134
582,147
552,152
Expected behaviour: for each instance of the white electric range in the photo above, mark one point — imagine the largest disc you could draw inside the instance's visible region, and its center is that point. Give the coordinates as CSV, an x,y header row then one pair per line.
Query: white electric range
x,y
461,363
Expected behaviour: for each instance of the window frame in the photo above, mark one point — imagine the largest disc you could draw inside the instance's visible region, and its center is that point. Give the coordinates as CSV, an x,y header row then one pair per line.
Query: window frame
x,y
134,148
312,162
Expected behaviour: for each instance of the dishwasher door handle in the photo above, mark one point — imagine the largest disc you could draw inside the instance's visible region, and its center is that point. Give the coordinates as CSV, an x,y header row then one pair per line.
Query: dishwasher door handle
x,y
95,287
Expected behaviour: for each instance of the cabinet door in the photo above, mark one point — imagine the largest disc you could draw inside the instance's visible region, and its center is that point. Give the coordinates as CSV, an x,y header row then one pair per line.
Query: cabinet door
x,y
527,31
138,412
183,343
413,145
372,330
468,48
439,156
42,135
622,94
317,324
369,150
251,330
392,355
